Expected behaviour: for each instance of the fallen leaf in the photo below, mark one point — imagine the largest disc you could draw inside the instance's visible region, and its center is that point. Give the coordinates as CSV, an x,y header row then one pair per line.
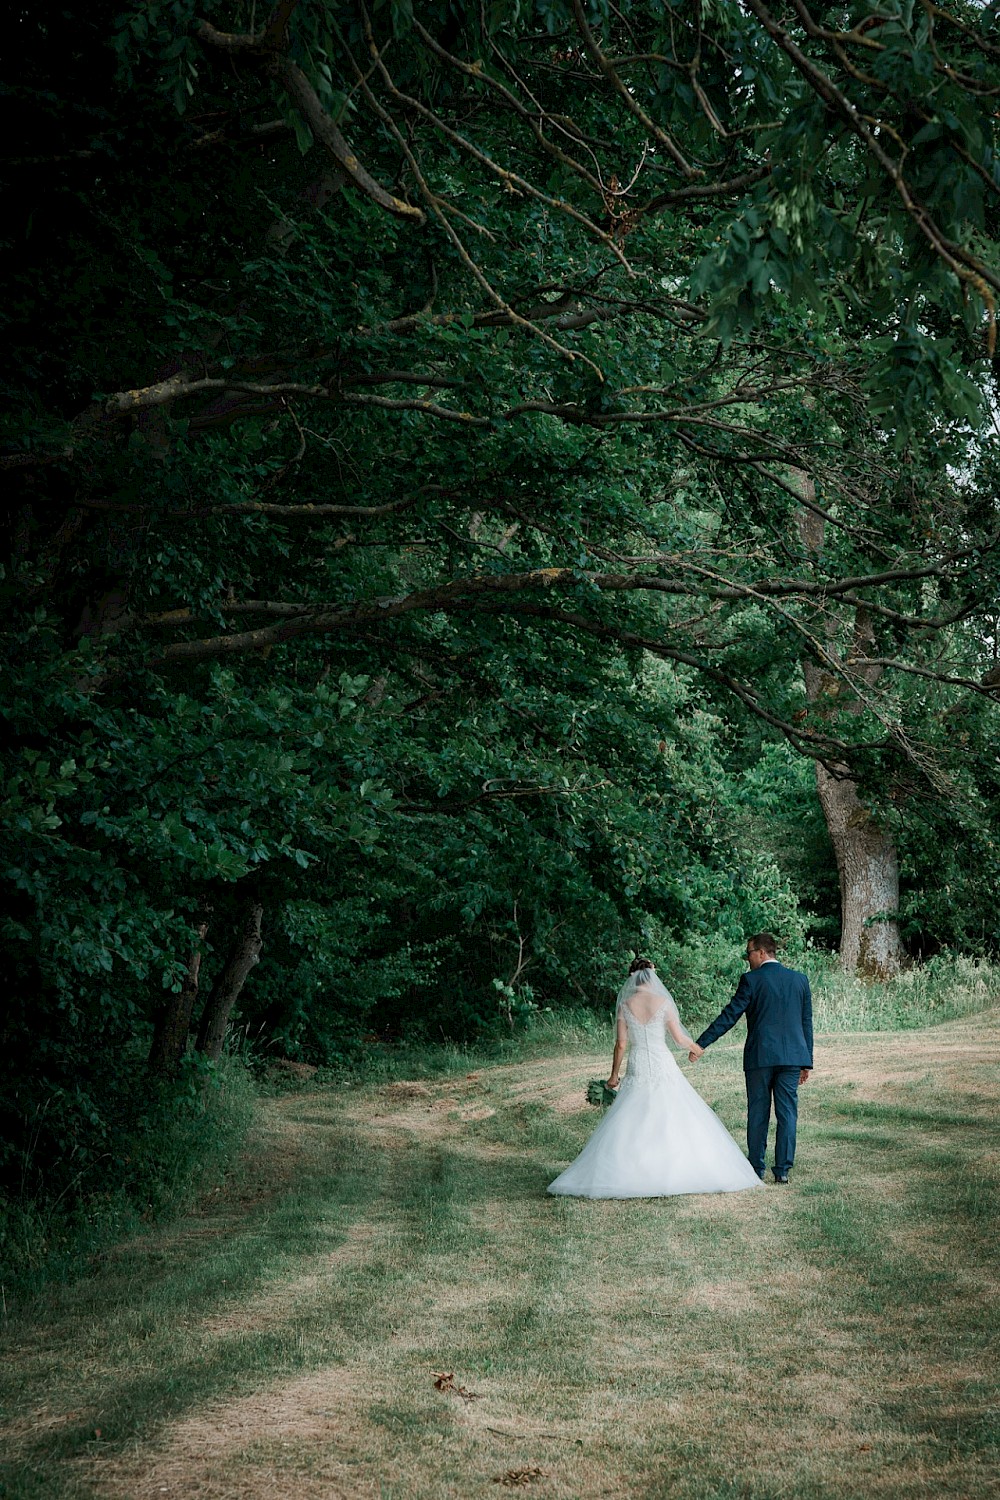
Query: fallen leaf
x,y
512,1477
444,1380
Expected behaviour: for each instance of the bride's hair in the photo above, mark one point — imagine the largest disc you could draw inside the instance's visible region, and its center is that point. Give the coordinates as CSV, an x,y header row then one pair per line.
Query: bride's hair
x,y
640,963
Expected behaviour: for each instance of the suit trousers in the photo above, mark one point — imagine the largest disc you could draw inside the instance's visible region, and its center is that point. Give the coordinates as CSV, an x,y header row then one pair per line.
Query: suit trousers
x,y
763,1085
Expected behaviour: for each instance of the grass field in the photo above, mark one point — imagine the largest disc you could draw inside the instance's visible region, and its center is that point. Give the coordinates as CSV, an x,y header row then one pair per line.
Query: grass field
x,y
835,1338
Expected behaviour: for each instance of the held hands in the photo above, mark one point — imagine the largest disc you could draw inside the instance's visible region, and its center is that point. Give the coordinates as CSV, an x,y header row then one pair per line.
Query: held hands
x,y
695,1053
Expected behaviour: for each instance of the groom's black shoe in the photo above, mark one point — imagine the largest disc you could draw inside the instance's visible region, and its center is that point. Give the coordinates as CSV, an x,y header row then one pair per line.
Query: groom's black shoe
x,y
781,1177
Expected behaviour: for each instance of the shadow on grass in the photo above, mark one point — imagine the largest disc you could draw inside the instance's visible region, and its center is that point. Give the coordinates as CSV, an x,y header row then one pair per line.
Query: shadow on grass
x,y
463,1247
143,1308
902,1114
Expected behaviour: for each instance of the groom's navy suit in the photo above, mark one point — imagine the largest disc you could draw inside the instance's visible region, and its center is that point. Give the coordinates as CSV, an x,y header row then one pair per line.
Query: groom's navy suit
x,y
778,1006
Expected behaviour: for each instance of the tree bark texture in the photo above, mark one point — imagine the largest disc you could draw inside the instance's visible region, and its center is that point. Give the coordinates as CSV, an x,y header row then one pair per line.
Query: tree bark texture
x,y
867,864
244,953
170,1030
869,879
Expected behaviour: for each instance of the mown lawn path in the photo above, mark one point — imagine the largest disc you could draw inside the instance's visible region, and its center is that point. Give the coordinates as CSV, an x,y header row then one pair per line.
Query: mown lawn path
x,y
835,1338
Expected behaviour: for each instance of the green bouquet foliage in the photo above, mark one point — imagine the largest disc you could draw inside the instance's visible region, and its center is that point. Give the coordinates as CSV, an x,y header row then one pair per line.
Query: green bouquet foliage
x,y
599,1093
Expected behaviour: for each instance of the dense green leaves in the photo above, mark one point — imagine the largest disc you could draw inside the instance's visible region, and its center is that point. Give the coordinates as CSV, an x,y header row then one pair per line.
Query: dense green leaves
x,y
438,441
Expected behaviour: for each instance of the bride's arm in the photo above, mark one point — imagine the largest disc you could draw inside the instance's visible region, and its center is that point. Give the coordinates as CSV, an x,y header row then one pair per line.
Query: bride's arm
x,y
671,1016
621,1041
680,1036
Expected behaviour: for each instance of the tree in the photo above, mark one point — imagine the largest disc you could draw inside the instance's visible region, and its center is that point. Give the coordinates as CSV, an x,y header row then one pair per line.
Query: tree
x,y
243,955
401,443
867,863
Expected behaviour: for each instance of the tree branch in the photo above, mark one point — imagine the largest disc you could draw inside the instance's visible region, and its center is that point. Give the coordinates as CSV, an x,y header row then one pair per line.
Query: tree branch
x,y
656,132
966,266
306,100
270,46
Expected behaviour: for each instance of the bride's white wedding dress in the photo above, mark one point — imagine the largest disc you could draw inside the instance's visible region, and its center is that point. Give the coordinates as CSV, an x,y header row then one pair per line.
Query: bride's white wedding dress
x,y
659,1137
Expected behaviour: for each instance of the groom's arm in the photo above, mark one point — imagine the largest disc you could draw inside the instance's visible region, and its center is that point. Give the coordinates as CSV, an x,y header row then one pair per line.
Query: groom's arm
x,y
807,1020
727,1018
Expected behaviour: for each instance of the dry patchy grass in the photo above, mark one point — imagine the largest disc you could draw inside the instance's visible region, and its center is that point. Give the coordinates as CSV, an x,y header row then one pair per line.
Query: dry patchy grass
x,y
833,1339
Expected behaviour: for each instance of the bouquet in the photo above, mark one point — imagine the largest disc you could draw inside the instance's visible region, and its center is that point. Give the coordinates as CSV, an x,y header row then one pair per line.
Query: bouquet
x,y
599,1093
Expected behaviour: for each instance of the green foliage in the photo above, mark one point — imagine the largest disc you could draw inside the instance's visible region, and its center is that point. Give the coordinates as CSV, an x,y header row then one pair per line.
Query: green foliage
x,y
164,1150
441,586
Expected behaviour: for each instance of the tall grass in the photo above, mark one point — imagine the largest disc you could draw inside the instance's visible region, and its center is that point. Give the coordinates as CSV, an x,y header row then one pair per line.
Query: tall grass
x,y
542,1030
944,988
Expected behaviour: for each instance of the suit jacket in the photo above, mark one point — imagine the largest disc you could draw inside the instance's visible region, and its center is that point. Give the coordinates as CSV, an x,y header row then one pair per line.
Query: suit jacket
x,y
778,1006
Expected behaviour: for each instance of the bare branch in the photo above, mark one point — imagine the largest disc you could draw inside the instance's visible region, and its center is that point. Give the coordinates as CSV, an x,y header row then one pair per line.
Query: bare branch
x,y
564,317
303,512
306,100
656,132
493,792
507,177
429,408
703,192
533,118
270,46
982,687
435,206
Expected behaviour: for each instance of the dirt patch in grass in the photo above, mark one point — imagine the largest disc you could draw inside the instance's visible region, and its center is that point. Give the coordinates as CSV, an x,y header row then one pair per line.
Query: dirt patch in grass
x,y
268,1310
406,1130
402,1093
573,1103
873,1060
602,1339
306,1439
791,1286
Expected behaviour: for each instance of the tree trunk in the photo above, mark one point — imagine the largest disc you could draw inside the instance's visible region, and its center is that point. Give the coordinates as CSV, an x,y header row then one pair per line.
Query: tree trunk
x,y
170,1030
244,953
866,856
869,879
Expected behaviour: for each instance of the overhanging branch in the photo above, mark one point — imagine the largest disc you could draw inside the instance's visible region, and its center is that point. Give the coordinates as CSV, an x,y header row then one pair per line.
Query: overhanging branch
x,y
270,49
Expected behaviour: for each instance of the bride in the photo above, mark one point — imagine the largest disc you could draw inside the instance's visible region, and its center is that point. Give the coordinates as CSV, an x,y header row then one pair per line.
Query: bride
x,y
659,1137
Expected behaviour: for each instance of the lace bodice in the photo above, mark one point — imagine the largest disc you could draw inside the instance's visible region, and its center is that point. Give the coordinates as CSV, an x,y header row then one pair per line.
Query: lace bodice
x,y
649,1057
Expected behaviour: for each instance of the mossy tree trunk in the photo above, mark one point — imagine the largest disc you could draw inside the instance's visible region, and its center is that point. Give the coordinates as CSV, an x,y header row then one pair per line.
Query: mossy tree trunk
x,y
172,1024
244,953
867,864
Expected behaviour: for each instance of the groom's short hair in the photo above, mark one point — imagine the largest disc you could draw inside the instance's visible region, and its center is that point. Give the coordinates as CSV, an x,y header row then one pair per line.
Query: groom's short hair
x,y
763,942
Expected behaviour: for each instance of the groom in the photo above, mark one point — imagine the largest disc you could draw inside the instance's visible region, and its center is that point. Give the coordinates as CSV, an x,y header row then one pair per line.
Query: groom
x,y
778,1055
